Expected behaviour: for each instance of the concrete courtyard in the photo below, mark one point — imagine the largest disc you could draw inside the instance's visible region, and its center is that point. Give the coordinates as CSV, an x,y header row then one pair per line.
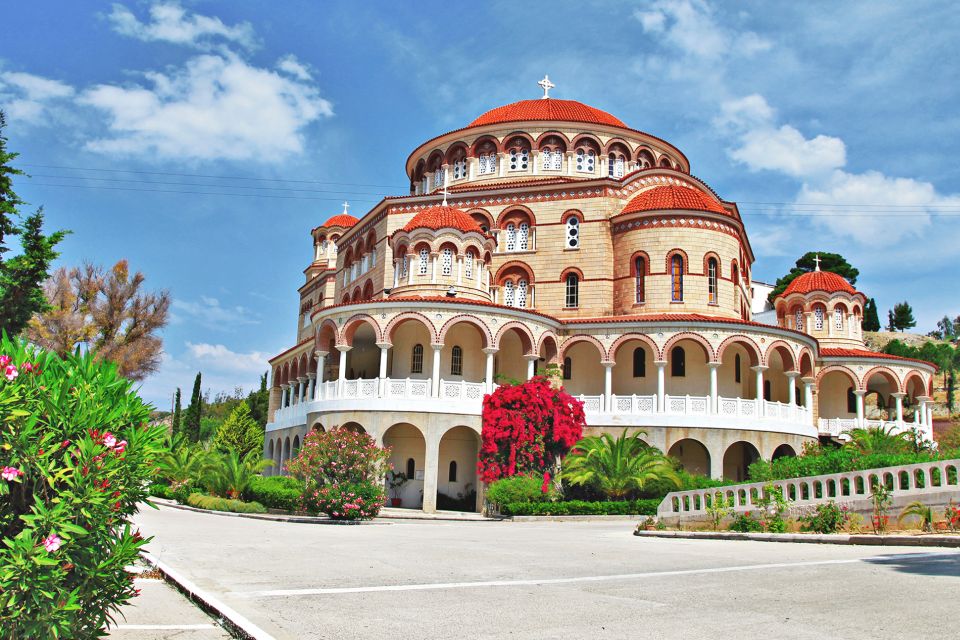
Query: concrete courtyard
x,y
435,579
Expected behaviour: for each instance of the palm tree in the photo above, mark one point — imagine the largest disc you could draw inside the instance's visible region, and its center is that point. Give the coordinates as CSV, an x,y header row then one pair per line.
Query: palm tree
x,y
229,474
875,440
617,467
183,464
921,511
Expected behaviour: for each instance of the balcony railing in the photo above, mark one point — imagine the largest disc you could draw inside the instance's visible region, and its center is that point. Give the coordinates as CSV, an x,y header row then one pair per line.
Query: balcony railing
x,y
838,427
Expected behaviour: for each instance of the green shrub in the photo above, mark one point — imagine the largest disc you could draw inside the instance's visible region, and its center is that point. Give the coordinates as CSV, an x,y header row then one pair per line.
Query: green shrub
x,y
825,518
346,501
582,508
213,503
275,492
161,491
835,460
745,523
77,457
517,489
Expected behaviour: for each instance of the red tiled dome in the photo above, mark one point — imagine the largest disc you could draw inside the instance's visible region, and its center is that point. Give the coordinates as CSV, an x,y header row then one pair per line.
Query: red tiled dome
x,y
819,281
443,217
547,109
673,197
341,220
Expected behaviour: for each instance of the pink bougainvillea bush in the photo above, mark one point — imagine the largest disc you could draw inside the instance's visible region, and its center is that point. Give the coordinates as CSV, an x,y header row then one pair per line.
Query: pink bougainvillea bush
x,y
342,472
527,427
76,456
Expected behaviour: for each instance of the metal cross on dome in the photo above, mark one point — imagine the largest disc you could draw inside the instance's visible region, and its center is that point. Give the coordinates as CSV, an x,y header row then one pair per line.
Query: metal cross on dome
x,y
346,205
546,85
816,261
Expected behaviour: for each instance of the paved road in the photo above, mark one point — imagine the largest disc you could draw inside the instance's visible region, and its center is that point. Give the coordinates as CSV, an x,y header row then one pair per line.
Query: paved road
x,y
551,580
160,612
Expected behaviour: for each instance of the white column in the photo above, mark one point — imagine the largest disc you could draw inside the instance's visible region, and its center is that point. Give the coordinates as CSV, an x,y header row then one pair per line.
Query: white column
x,y
714,402
607,386
859,393
382,385
501,164
342,373
303,389
435,377
430,473
459,269
899,398
283,394
808,394
433,267
490,351
792,383
311,387
479,266
760,406
531,365
321,365
396,273
295,392
661,384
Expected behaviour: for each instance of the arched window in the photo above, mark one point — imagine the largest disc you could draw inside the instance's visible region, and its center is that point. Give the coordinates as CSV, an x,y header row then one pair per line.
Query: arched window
x,y
446,261
798,320
573,232
424,261
567,368
411,468
452,473
838,318
404,266
736,368
851,401
640,270
676,278
615,166
488,163
519,159
572,299
678,362
552,159
586,160
712,281
468,265
511,237
508,293
438,178
639,363
456,361
523,236
521,294
460,169
818,318
416,359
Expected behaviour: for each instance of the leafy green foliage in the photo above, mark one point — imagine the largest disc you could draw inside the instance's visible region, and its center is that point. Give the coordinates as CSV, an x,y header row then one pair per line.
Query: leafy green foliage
x,y
878,440
718,508
807,262
920,511
820,461
191,418
826,517
516,489
78,455
214,503
240,432
902,316
617,467
275,492
745,523
228,474
175,426
346,501
647,507
871,319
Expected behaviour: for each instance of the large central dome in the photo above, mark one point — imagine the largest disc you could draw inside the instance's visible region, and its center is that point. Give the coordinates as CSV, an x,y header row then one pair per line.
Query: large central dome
x,y
548,109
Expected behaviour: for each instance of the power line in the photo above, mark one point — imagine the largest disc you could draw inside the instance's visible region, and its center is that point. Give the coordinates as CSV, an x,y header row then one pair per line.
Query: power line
x,y
201,193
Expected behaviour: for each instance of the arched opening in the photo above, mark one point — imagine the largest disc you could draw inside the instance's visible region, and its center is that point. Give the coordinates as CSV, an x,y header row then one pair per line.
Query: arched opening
x,y
586,372
363,360
407,455
457,488
634,371
784,451
271,470
735,379
404,359
687,372
693,456
352,426
737,459
317,426
833,392
779,362
509,361
286,455
295,451
548,352
470,363
879,403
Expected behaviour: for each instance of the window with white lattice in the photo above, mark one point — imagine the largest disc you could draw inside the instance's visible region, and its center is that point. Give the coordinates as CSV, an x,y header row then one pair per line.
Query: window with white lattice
x,y
364,264
552,159
424,261
404,266
818,318
519,159
521,294
573,232
488,163
508,298
446,261
586,160
511,237
616,166
798,320
468,265
460,169
423,184
523,236
838,318
438,180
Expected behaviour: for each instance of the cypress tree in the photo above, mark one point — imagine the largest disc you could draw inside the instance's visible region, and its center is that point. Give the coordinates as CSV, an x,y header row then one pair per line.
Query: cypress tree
x,y
191,418
871,321
175,425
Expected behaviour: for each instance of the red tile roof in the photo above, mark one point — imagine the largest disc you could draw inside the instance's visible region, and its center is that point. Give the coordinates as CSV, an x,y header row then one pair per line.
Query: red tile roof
x,y
863,353
819,281
673,196
443,217
547,109
341,220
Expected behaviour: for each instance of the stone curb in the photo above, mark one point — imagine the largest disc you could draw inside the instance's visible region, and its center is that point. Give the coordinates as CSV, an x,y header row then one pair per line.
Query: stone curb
x,y
588,518
163,502
811,538
237,625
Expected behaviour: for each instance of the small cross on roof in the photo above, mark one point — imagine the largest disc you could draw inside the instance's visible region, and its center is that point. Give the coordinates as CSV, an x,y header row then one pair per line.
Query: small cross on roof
x,y
346,205
816,261
546,85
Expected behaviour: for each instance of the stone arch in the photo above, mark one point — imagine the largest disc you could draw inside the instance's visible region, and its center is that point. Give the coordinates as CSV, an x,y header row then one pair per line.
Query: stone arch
x,y
454,150
475,148
891,377
512,266
353,323
784,451
911,375
688,335
618,143
355,427
409,316
587,139
522,331
553,132
326,332
318,426
467,319
840,368
676,251
749,345
645,339
514,209
407,441
693,455
737,458
786,355
582,337
547,347
458,448
805,362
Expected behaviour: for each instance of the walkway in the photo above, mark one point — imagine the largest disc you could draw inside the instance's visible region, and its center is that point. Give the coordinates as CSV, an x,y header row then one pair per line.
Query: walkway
x,y
549,580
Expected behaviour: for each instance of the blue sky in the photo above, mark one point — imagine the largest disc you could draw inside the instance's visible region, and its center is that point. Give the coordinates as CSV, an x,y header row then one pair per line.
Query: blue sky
x,y
835,128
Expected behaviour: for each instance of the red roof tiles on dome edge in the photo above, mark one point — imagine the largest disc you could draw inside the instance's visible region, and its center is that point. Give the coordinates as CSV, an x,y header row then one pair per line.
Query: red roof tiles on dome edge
x,y
673,196
826,281
341,220
443,217
547,109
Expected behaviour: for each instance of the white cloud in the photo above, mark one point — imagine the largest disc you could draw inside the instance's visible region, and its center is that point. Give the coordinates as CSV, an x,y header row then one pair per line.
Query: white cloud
x,y
215,107
690,27
209,313
294,67
29,98
220,357
169,22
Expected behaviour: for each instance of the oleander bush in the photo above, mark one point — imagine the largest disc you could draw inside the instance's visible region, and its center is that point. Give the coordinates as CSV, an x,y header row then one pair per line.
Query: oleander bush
x,y
745,523
346,501
828,517
820,461
214,503
646,507
76,457
275,492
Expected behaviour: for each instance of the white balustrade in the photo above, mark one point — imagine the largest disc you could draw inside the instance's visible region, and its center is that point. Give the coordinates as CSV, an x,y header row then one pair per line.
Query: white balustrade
x,y
591,403
462,390
837,427
634,404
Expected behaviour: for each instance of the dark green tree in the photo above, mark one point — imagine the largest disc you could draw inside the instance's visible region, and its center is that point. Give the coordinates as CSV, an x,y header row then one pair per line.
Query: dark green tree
x,y
175,425
945,329
807,262
22,277
191,417
890,324
258,401
871,321
902,316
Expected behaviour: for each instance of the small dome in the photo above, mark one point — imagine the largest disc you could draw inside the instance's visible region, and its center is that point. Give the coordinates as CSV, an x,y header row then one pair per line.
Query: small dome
x,y
548,109
443,217
341,220
673,197
825,281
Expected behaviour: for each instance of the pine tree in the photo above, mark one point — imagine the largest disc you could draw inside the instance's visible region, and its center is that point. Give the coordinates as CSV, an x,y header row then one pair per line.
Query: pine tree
x,y
902,316
890,324
239,432
258,401
191,417
21,294
871,321
175,425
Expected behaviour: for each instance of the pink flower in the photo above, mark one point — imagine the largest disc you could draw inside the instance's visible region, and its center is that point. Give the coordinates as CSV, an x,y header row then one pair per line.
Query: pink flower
x,y
11,372
109,440
52,542
10,473
27,367
4,360
121,446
